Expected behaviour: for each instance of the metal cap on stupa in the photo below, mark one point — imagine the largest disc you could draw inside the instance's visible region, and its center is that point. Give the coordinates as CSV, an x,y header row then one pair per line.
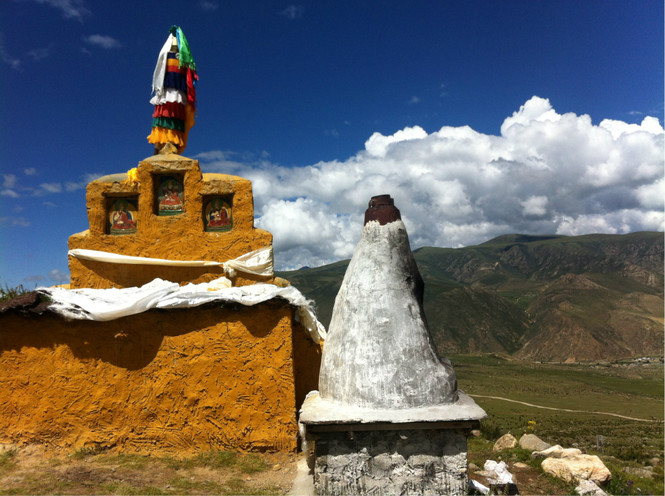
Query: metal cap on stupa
x,y
382,209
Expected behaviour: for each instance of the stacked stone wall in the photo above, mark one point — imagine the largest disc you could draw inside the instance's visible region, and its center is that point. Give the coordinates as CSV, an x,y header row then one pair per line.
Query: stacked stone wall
x,y
397,462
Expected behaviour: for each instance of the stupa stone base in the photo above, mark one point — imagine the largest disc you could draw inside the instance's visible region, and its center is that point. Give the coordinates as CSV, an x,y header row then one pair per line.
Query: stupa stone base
x,y
360,451
391,462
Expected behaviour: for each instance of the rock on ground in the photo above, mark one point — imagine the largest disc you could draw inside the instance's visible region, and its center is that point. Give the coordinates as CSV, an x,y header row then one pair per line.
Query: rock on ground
x,y
577,468
556,451
507,441
532,442
589,488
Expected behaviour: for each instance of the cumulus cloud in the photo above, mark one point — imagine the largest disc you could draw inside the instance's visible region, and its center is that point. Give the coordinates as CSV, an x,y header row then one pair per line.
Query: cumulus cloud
x,y
534,205
103,41
545,173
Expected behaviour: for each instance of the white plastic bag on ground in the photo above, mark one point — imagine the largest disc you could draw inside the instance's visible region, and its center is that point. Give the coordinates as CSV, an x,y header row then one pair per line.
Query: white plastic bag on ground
x,y
498,472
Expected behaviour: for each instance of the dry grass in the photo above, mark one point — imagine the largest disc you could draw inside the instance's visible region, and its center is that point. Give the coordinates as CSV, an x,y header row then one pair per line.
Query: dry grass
x,y
32,470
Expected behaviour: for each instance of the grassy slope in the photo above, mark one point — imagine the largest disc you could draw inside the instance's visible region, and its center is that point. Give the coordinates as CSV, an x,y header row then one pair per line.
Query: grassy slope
x,y
635,391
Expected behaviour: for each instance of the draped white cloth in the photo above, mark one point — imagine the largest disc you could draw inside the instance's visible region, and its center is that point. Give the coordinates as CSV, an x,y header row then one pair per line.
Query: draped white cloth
x,y
160,67
258,262
114,303
108,257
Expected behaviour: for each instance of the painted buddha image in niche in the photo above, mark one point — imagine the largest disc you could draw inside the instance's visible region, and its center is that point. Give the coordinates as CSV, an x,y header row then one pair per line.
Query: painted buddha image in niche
x,y
170,196
122,217
218,215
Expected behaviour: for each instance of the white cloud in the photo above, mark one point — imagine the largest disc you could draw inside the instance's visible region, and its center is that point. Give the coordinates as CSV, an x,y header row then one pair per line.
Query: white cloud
x,y
7,58
293,12
103,41
46,188
208,5
70,9
378,144
546,173
73,186
14,221
652,196
8,180
40,53
58,276
534,205
30,171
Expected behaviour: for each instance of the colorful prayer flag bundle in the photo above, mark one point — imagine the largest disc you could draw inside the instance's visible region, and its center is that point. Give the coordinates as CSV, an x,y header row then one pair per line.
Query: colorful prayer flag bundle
x,y
174,92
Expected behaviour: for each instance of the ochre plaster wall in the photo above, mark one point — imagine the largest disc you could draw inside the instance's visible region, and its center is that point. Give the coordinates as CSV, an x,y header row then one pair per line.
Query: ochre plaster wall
x,y
175,381
176,237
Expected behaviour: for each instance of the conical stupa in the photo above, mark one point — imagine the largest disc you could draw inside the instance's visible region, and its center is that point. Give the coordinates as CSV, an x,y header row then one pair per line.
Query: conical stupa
x,y
379,352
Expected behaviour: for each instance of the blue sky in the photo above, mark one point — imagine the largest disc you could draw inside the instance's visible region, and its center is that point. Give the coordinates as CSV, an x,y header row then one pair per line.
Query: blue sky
x,y
478,117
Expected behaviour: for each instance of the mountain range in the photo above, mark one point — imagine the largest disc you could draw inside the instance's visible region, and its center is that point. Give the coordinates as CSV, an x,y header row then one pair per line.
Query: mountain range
x,y
596,297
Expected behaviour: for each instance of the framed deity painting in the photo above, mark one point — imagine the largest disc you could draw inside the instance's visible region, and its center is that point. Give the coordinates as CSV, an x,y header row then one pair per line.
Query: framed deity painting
x,y
218,214
121,218
170,195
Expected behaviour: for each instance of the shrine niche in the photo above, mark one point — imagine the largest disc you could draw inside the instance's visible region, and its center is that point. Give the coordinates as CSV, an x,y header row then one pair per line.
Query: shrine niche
x,y
170,195
122,215
218,214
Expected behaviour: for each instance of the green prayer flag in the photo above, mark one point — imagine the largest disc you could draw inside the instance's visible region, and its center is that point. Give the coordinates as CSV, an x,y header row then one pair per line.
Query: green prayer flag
x,y
186,58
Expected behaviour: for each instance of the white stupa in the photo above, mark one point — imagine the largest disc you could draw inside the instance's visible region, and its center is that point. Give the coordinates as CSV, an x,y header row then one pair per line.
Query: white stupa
x,y
379,363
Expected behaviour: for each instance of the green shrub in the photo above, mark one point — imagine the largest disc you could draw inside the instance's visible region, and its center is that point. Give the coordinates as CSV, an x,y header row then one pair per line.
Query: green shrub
x,y
7,460
86,451
217,459
490,430
623,483
178,463
7,293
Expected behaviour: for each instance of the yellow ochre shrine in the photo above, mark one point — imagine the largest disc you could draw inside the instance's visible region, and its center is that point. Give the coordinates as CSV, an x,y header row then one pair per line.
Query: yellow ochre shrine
x,y
174,335
171,212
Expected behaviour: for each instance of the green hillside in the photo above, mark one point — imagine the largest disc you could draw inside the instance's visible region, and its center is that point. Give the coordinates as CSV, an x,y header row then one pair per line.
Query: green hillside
x,y
550,298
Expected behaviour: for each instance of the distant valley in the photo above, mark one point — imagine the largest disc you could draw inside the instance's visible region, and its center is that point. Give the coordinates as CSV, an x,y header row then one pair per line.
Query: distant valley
x,y
542,298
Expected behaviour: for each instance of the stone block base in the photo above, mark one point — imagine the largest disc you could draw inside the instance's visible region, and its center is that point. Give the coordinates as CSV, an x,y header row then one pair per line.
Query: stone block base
x,y
391,462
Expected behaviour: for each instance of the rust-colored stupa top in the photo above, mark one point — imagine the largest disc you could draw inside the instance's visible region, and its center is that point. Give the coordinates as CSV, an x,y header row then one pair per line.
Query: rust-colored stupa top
x,y
382,209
